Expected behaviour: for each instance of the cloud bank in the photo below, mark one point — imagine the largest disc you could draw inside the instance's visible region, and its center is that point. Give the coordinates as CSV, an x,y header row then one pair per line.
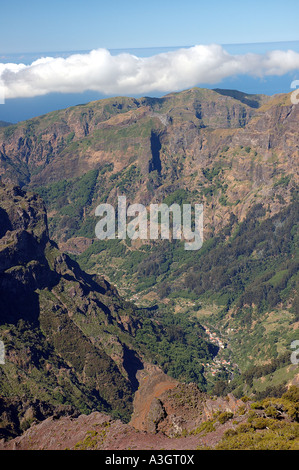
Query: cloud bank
x,y
126,73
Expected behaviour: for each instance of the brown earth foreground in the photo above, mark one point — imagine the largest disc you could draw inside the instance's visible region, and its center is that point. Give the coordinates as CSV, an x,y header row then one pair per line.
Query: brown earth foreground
x,y
167,415
98,431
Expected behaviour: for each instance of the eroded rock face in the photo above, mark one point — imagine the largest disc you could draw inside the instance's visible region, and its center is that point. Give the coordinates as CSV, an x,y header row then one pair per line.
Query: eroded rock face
x,y
156,414
54,320
172,422
149,410
24,229
230,150
169,422
18,414
174,416
222,404
162,404
173,136
70,319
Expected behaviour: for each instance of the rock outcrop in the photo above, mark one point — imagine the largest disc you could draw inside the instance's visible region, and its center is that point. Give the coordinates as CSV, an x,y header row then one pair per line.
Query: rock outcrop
x,y
60,327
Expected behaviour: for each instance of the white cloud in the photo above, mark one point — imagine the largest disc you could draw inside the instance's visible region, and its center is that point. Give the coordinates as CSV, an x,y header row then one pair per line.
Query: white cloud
x,y
125,73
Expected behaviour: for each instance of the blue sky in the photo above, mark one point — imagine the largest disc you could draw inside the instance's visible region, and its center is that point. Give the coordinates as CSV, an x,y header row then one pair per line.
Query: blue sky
x,y
61,25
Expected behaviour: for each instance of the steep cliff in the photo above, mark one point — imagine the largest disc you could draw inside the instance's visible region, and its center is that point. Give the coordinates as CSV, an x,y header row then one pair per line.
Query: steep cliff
x,y
67,335
235,153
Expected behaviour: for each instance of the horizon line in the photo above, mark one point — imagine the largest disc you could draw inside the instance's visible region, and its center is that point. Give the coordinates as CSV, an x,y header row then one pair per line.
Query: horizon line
x,y
148,47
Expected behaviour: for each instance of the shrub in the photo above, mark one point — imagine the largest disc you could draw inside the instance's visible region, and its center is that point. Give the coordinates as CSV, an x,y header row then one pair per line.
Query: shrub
x,y
259,423
271,412
205,428
225,416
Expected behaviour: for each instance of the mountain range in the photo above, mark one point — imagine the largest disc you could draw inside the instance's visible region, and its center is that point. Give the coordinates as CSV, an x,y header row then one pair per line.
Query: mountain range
x,y
82,319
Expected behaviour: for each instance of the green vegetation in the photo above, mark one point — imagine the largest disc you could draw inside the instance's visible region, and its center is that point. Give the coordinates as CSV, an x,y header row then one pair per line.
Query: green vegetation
x,y
265,429
69,199
205,428
76,193
283,181
242,268
94,439
65,328
250,269
178,345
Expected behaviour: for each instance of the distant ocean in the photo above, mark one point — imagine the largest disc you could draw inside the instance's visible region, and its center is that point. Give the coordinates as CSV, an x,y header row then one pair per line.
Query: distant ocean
x,y
19,109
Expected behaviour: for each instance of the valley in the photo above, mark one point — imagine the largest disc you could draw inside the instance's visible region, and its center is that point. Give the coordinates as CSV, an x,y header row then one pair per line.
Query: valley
x,y
87,322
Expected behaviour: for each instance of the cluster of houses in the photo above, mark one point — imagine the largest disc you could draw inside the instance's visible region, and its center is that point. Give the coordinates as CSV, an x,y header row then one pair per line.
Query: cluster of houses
x,y
214,338
218,363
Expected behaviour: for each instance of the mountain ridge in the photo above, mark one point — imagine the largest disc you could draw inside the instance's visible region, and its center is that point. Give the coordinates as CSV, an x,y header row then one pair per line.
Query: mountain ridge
x,y
71,341
235,153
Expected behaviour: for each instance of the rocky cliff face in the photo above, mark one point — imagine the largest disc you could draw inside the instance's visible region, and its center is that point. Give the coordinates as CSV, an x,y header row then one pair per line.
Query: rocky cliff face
x,y
163,405
181,419
68,336
236,154
171,135
98,431
226,149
